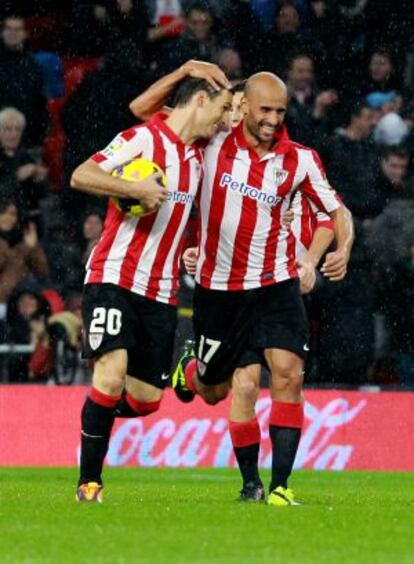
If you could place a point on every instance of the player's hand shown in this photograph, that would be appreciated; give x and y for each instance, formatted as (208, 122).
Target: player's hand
(150, 192)
(288, 217)
(208, 71)
(190, 257)
(335, 265)
(307, 275)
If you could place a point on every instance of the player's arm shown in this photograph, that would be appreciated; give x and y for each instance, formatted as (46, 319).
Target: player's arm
(155, 97)
(319, 191)
(321, 241)
(94, 175)
(323, 236)
(336, 262)
(90, 178)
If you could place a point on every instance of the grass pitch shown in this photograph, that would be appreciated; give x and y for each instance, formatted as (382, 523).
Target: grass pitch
(191, 516)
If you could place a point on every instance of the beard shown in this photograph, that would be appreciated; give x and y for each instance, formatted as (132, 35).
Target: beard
(254, 129)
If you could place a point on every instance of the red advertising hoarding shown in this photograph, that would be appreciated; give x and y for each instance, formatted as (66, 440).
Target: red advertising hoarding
(39, 426)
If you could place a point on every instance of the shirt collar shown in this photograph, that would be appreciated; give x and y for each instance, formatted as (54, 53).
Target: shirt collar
(158, 120)
(282, 140)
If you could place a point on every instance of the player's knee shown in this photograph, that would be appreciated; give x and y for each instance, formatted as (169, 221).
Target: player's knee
(288, 378)
(109, 374)
(246, 390)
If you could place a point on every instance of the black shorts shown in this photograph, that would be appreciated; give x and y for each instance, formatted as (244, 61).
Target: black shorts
(115, 318)
(232, 329)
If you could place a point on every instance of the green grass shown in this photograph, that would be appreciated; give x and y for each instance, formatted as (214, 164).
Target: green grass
(191, 516)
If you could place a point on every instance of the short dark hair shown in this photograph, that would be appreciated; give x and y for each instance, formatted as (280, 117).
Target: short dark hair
(395, 151)
(299, 55)
(355, 109)
(190, 86)
(285, 4)
(199, 7)
(384, 51)
(238, 87)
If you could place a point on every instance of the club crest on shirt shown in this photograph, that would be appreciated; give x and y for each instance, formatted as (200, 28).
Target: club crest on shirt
(279, 176)
(95, 339)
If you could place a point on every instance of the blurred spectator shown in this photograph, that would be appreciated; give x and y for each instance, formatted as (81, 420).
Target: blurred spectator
(25, 305)
(56, 340)
(21, 80)
(199, 41)
(391, 233)
(21, 255)
(22, 176)
(288, 39)
(308, 107)
(389, 184)
(91, 232)
(166, 19)
(352, 159)
(230, 62)
(382, 73)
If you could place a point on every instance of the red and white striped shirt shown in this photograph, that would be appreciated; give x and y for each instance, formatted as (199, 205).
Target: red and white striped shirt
(307, 219)
(243, 242)
(143, 254)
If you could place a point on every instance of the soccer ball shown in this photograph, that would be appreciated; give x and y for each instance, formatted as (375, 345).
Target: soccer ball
(134, 171)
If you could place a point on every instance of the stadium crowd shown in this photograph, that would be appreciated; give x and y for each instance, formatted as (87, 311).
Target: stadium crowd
(68, 72)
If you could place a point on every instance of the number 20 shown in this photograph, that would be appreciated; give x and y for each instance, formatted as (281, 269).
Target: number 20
(112, 318)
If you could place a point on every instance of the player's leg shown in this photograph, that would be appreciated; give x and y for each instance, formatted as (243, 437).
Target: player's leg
(138, 399)
(109, 334)
(286, 419)
(187, 384)
(149, 362)
(221, 324)
(245, 430)
(281, 330)
(97, 419)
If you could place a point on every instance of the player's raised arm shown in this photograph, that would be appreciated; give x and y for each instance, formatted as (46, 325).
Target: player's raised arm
(156, 96)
